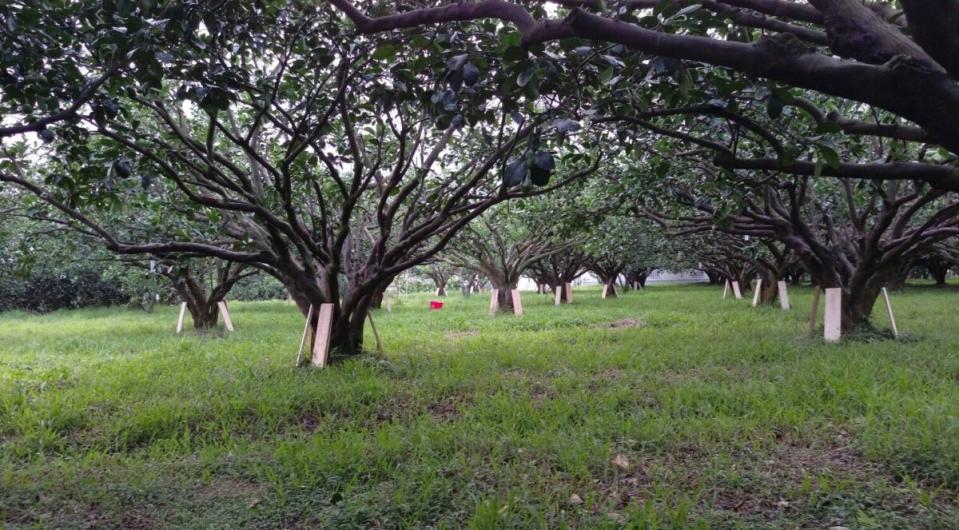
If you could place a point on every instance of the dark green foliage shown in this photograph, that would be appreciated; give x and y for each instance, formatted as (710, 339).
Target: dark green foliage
(50, 291)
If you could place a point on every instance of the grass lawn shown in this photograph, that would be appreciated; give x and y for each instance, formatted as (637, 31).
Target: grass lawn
(668, 408)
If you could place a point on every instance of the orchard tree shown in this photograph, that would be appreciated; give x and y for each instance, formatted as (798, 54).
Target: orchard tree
(852, 235)
(441, 273)
(501, 247)
(329, 162)
(620, 243)
(903, 62)
(202, 284)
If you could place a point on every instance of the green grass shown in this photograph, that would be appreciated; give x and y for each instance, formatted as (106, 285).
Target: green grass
(717, 414)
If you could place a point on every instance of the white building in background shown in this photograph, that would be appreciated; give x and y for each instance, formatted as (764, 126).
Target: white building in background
(690, 276)
(657, 276)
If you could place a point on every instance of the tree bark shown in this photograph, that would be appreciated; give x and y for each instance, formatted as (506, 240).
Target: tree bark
(504, 294)
(610, 288)
(203, 309)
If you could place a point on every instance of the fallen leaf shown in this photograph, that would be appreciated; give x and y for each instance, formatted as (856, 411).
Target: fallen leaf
(621, 462)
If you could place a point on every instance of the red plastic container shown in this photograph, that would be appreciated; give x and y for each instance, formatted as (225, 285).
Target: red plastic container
(435, 305)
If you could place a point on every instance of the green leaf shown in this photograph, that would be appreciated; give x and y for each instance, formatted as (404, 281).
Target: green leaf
(606, 75)
(828, 155)
(386, 51)
(774, 106)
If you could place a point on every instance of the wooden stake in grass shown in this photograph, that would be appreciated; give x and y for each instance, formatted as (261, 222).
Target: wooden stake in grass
(757, 290)
(179, 322)
(379, 345)
(569, 293)
(832, 327)
(225, 313)
(725, 289)
(321, 340)
(494, 303)
(783, 295)
(306, 332)
(517, 302)
(736, 292)
(559, 294)
(892, 318)
(814, 314)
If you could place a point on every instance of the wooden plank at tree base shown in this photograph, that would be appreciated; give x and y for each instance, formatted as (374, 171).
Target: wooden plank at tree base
(814, 314)
(736, 292)
(306, 331)
(321, 341)
(225, 313)
(726, 289)
(494, 303)
(559, 294)
(569, 293)
(758, 287)
(832, 327)
(892, 318)
(517, 302)
(179, 322)
(783, 295)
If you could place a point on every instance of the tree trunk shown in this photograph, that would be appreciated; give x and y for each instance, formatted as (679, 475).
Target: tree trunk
(204, 313)
(714, 277)
(346, 329)
(859, 296)
(440, 286)
(857, 307)
(505, 296)
(769, 291)
(376, 299)
(563, 298)
(611, 289)
(939, 272)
